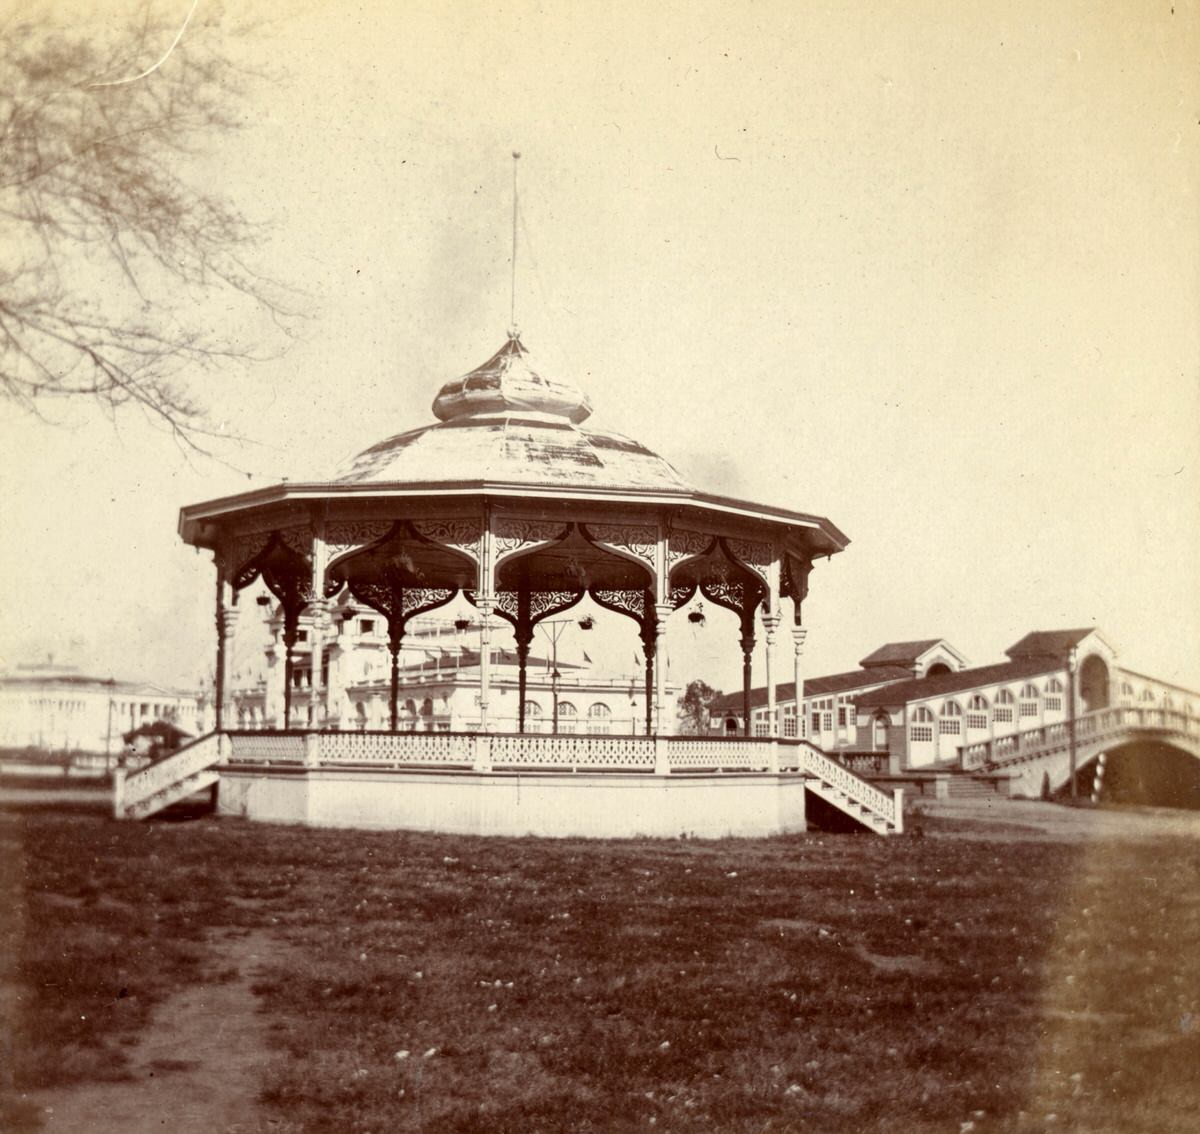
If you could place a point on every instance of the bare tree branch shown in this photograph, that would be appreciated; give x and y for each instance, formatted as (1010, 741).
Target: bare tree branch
(110, 248)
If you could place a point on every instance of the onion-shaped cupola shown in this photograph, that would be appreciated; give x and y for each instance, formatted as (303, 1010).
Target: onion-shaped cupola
(510, 382)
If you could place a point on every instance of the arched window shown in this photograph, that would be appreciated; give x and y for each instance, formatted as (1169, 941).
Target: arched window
(880, 735)
(950, 724)
(1004, 711)
(1054, 685)
(977, 712)
(533, 716)
(921, 728)
(1148, 695)
(599, 718)
(1029, 701)
(566, 716)
(1126, 690)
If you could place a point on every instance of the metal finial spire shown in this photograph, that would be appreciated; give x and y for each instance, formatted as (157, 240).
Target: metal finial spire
(513, 333)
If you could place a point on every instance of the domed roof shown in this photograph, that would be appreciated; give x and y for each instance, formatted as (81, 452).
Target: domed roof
(506, 422)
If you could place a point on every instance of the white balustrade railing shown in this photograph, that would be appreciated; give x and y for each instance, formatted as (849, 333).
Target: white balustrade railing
(693, 753)
(1099, 724)
(887, 807)
(139, 786)
(447, 749)
(266, 747)
(593, 752)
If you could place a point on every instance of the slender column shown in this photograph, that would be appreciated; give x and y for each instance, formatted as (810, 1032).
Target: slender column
(747, 642)
(319, 610)
(485, 661)
(522, 675)
(799, 633)
(226, 618)
(662, 612)
(648, 645)
(770, 625)
(485, 604)
(291, 632)
(524, 636)
(395, 637)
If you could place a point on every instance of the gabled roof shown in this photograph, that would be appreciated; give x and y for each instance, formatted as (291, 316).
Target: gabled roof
(919, 688)
(900, 653)
(1048, 643)
(813, 687)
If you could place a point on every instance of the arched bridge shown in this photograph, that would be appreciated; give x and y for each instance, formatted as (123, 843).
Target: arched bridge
(1035, 757)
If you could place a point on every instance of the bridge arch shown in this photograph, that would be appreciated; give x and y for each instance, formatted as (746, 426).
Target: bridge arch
(1094, 683)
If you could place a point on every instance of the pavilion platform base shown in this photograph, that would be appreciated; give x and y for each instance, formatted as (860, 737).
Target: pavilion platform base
(548, 804)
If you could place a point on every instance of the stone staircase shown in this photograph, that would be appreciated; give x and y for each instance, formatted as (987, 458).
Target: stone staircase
(184, 772)
(876, 810)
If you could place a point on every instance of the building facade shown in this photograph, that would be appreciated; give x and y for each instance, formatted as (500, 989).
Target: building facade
(60, 709)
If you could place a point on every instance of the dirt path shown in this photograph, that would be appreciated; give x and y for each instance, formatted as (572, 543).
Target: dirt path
(197, 1067)
(1054, 821)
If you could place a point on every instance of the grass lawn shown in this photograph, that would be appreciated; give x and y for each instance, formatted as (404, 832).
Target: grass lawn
(816, 982)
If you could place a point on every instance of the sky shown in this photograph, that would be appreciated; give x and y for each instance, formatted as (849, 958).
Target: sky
(932, 271)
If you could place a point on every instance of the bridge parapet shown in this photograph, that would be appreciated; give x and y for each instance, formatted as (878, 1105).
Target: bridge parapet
(1090, 729)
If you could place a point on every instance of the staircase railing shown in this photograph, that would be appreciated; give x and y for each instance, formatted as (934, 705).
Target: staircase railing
(131, 790)
(1100, 724)
(889, 809)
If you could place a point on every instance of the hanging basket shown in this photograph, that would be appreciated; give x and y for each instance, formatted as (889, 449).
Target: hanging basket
(461, 623)
(586, 622)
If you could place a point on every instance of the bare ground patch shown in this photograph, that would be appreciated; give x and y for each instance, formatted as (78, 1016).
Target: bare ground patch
(196, 1068)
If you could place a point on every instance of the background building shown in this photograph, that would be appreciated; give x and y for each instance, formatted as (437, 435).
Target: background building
(58, 708)
(438, 674)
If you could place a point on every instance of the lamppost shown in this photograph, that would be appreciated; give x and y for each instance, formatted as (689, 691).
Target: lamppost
(553, 629)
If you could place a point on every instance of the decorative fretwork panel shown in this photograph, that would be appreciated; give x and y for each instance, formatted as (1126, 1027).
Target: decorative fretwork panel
(794, 578)
(243, 549)
(716, 754)
(395, 749)
(684, 544)
(629, 602)
(511, 536)
(344, 536)
(754, 554)
(544, 604)
(266, 748)
(463, 535)
(573, 752)
(299, 539)
(638, 540)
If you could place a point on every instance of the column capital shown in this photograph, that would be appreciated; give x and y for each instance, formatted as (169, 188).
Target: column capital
(663, 611)
(799, 633)
(227, 621)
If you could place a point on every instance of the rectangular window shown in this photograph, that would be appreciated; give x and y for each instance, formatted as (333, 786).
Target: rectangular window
(841, 716)
(1003, 714)
(816, 722)
(367, 626)
(827, 722)
(1054, 704)
(920, 733)
(948, 727)
(760, 728)
(789, 726)
(302, 636)
(1029, 708)
(977, 720)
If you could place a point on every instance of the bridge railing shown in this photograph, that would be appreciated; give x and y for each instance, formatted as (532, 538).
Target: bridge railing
(1096, 725)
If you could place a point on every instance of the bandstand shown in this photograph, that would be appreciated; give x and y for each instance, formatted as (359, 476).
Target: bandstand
(512, 502)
